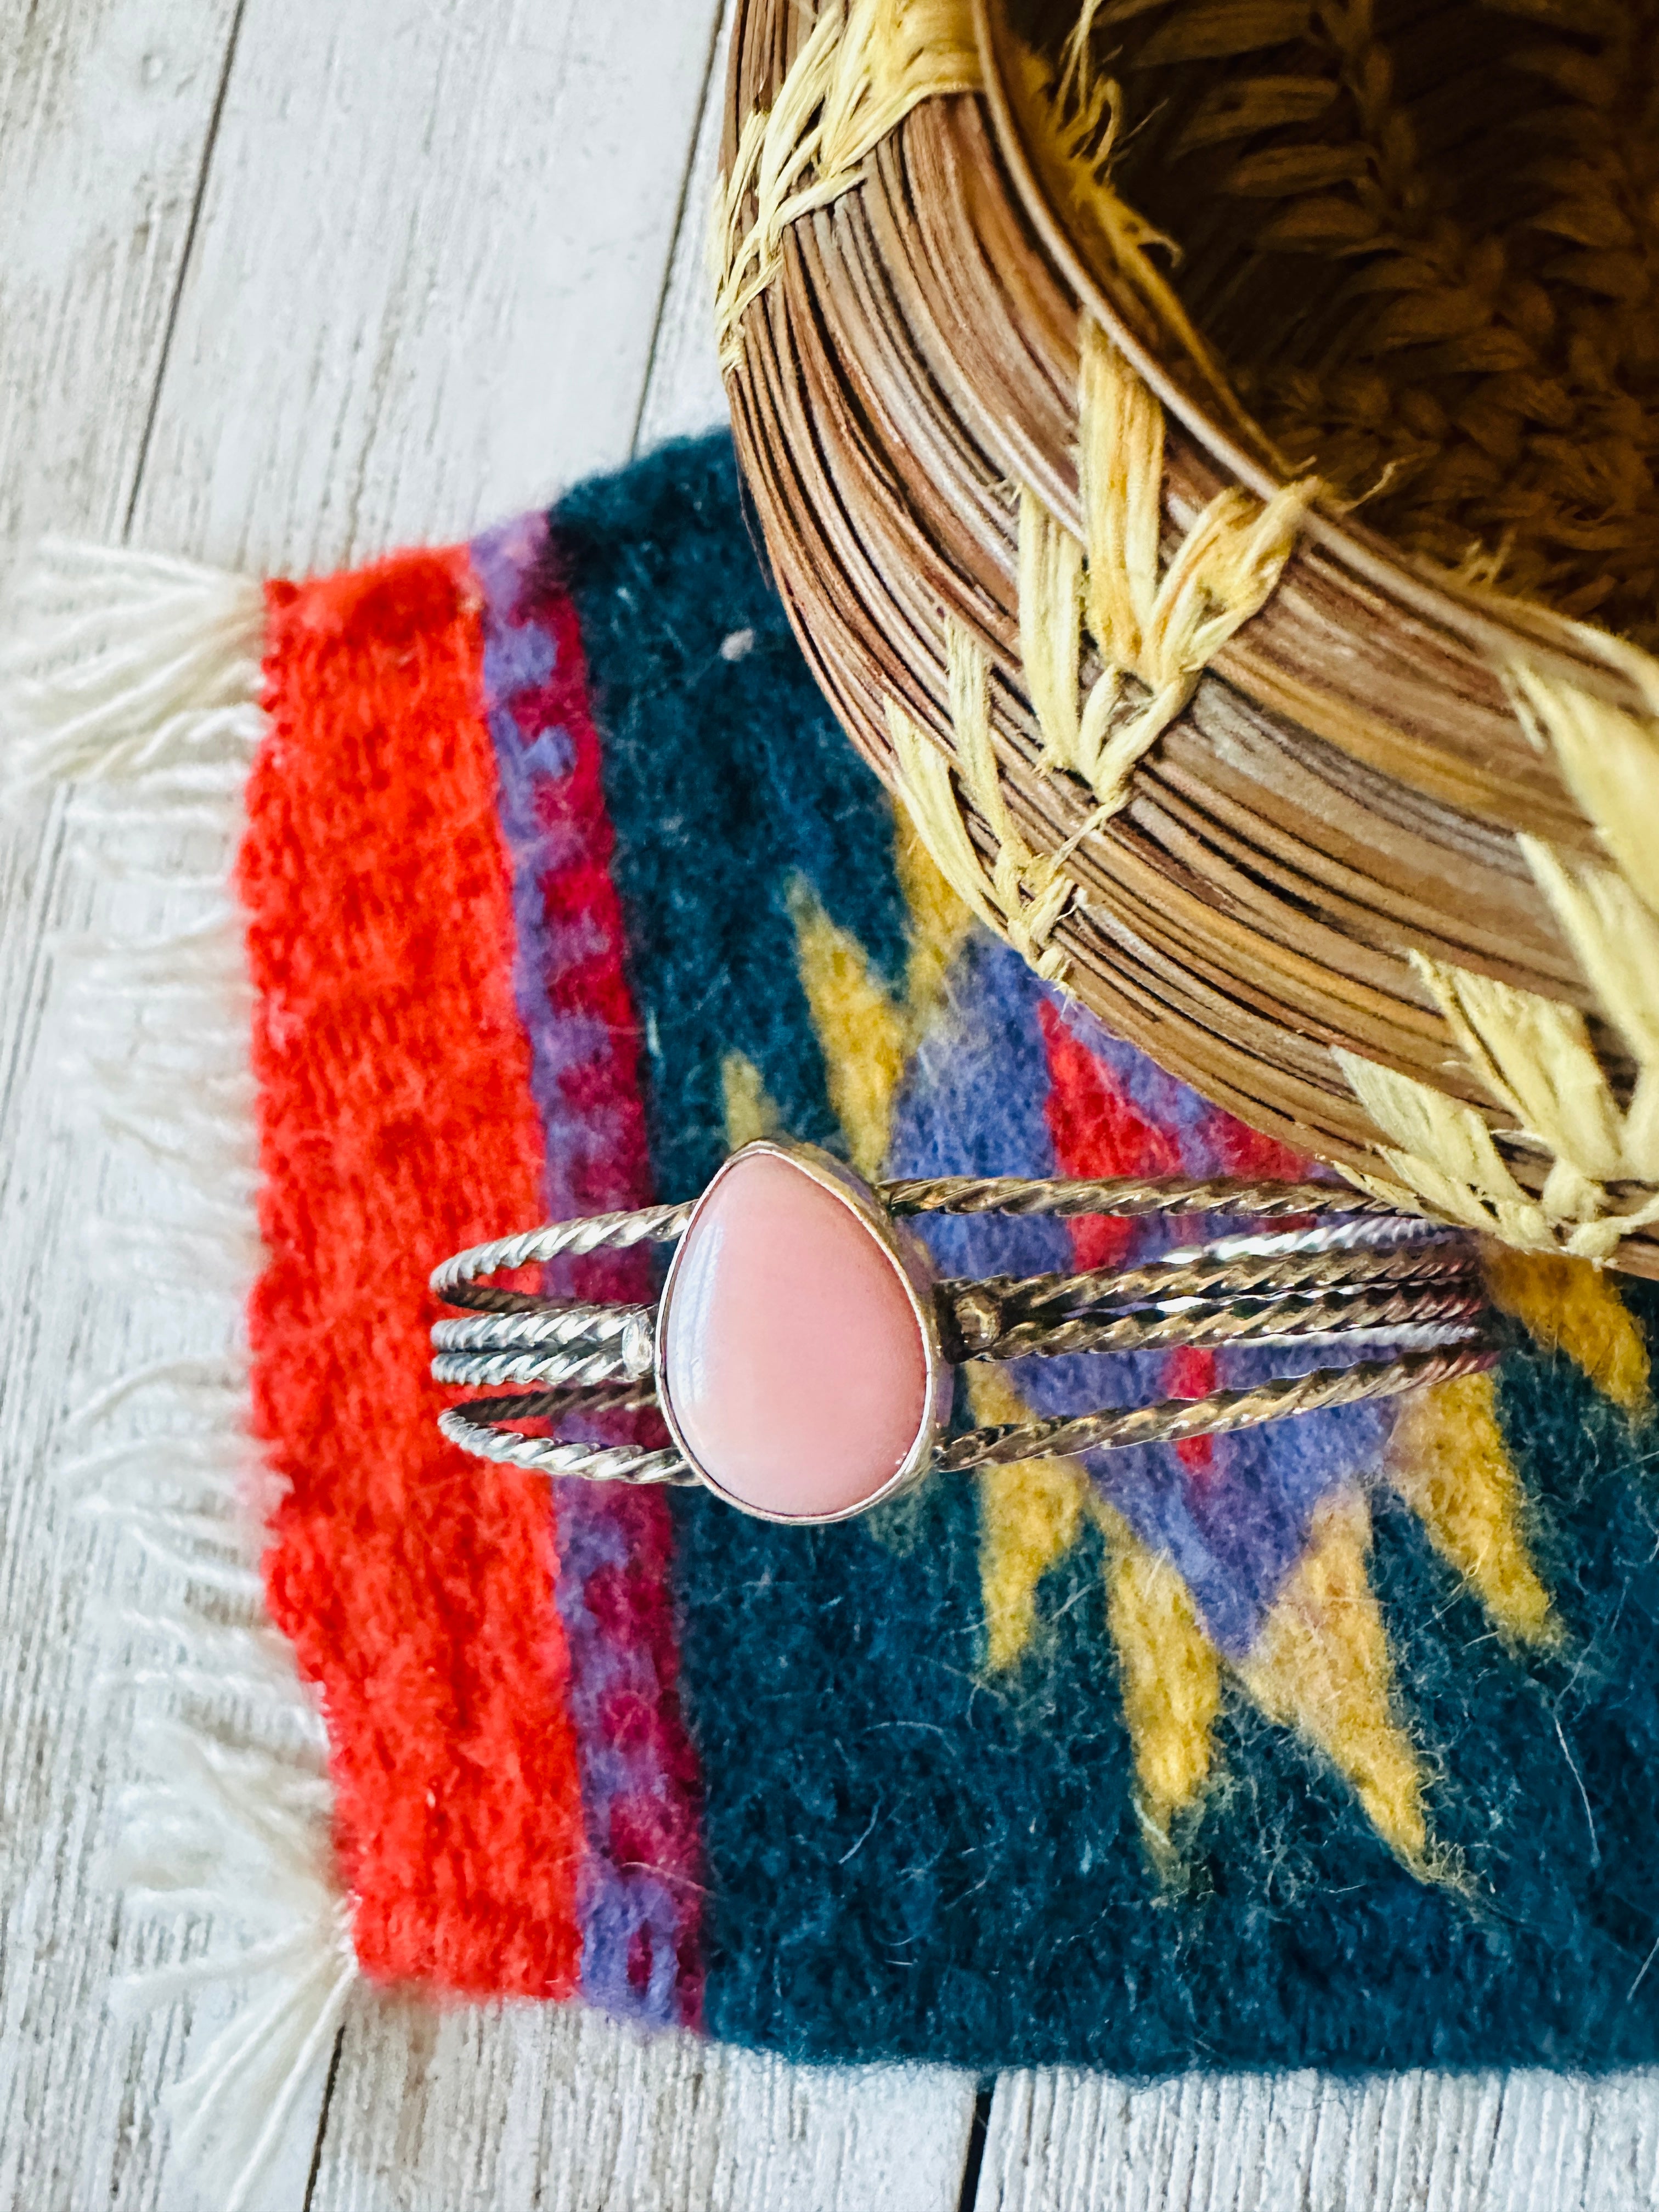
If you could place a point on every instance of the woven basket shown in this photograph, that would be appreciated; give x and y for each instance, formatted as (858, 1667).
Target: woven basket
(1193, 439)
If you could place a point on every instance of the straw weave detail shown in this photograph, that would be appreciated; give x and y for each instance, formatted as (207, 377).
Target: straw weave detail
(1156, 627)
(1534, 1056)
(1201, 162)
(1021, 895)
(861, 70)
(1477, 379)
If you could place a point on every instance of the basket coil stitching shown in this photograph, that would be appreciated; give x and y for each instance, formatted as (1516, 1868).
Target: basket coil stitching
(1022, 895)
(1513, 429)
(1155, 629)
(859, 74)
(861, 70)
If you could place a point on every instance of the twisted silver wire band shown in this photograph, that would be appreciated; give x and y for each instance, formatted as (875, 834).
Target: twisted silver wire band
(546, 1323)
(977, 1312)
(1171, 1419)
(1121, 1195)
(1363, 1271)
(631, 1463)
(658, 1224)
(999, 1316)
(1193, 1271)
(561, 1369)
(1114, 1429)
(1336, 1232)
(1242, 1321)
(457, 1279)
(590, 1401)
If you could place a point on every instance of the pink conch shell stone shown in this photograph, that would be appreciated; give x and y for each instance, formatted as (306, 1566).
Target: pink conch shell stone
(792, 1357)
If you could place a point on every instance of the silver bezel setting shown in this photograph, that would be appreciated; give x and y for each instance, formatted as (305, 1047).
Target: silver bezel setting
(914, 1271)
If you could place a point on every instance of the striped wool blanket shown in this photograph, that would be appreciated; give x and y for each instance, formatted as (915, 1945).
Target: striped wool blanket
(522, 879)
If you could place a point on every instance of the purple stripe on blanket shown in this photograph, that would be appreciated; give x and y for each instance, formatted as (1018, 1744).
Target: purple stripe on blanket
(640, 1893)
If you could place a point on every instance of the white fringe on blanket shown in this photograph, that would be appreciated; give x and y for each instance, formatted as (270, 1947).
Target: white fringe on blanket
(137, 680)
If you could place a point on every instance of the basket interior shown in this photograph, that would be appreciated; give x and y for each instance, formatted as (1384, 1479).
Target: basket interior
(1423, 236)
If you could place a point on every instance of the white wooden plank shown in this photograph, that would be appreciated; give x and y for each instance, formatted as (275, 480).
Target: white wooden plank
(79, 2087)
(560, 2109)
(684, 396)
(105, 112)
(1524, 2141)
(433, 247)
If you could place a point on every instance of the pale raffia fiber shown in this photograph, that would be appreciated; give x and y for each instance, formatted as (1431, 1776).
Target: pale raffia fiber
(1081, 122)
(1534, 1056)
(1021, 895)
(1615, 938)
(862, 69)
(1051, 630)
(859, 74)
(1157, 628)
(1609, 758)
(1443, 1156)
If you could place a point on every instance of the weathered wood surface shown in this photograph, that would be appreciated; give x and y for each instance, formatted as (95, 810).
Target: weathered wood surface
(1302, 2142)
(283, 283)
(433, 247)
(105, 107)
(569, 2113)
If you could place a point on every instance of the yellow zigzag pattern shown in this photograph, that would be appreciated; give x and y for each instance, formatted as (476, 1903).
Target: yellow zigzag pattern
(866, 1035)
(1448, 1461)
(750, 1111)
(867, 1038)
(1321, 1665)
(1571, 1305)
(1169, 1671)
(1030, 1516)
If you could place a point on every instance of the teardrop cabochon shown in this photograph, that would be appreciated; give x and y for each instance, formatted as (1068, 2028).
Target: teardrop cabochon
(798, 1356)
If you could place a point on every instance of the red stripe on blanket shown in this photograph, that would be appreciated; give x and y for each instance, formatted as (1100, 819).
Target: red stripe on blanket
(396, 1126)
(1098, 1131)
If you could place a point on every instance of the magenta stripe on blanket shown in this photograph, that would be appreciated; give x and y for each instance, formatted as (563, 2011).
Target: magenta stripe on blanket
(641, 1891)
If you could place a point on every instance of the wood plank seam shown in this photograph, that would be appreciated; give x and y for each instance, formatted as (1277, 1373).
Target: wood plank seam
(973, 2165)
(106, 103)
(686, 213)
(193, 225)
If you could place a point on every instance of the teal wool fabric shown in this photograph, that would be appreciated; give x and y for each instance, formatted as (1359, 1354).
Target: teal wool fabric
(911, 1854)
